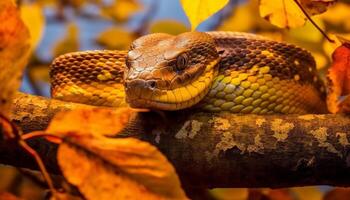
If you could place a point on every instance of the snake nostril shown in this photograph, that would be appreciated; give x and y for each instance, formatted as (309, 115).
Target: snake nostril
(151, 84)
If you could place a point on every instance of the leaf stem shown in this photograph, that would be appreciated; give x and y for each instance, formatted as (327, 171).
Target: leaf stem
(40, 163)
(313, 22)
(36, 134)
(12, 132)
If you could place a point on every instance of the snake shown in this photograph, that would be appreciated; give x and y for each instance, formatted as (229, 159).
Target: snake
(212, 71)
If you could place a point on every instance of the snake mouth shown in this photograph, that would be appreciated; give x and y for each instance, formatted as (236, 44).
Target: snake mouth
(159, 104)
(141, 94)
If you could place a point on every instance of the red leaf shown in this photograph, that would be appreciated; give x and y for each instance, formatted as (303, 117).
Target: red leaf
(339, 79)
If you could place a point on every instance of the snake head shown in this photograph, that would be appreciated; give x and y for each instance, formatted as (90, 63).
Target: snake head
(168, 72)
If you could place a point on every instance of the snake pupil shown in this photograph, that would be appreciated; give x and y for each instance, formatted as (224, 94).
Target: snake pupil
(181, 62)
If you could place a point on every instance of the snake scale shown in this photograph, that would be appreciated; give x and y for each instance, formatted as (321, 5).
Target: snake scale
(212, 71)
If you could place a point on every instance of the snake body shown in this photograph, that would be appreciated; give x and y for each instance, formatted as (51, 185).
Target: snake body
(213, 71)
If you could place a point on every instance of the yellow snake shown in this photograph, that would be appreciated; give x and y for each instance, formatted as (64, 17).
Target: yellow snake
(213, 71)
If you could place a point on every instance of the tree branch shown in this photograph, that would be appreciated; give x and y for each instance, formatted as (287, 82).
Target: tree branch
(221, 149)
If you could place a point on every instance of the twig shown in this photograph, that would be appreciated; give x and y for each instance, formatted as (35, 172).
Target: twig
(313, 22)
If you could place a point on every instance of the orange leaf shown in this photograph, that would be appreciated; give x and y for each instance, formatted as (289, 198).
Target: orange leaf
(287, 14)
(314, 7)
(118, 168)
(14, 52)
(339, 77)
(94, 121)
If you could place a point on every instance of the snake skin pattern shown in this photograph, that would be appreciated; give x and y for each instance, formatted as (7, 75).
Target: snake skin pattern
(262, 76)
(251, 75)
(89, 77)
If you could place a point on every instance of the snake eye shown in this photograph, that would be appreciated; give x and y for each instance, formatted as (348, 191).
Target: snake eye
(181, 61)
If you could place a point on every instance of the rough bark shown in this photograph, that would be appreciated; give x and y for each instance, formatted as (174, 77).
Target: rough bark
(222, 149)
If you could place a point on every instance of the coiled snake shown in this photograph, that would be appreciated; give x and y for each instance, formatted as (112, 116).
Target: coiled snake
(213, 71)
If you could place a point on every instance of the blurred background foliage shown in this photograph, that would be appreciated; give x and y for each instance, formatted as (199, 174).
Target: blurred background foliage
(62, 26)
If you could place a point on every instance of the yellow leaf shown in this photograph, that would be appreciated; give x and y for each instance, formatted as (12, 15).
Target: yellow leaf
(33, 17)
(199, 10)
(235, 22)
(69, 43)
(123, 168)
(14, 52)
(338, 15)
(282, 13)
(330, 47)
(121, 10)
(287, 14)
(307, 33)
(168, 26)
(96, 121)
(108, 38)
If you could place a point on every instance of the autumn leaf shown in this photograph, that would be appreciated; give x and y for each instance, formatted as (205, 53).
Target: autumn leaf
(69, 43)
(247, 10)
(313, 36)
(14, 52)
(339, 78)
(314, 7)
(125, 168)
(94, 121)
(33, 17)
(235, 22)
(283, 13)
(199, 10)
(111, 168)
(168, 26)
(337, 16)
(121, 10)
(330, 47)
(287, 14)
(108, 38)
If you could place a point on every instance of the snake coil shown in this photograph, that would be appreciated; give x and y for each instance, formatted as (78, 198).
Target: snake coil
(213, 71)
